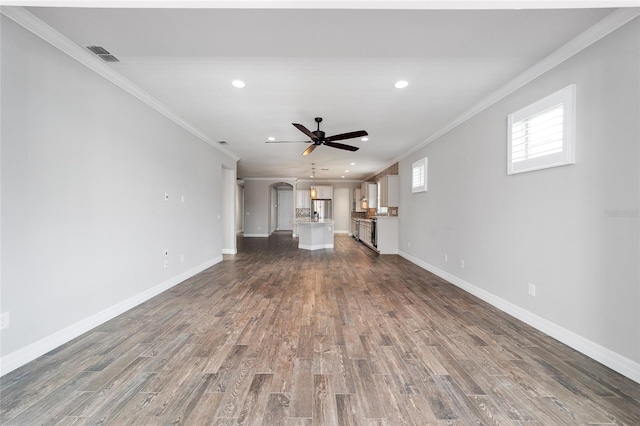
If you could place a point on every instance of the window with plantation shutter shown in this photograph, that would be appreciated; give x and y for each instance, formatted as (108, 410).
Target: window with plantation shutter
(419, 175)
(542, 134)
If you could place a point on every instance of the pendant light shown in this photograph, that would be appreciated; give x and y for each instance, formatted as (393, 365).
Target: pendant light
(313, 191)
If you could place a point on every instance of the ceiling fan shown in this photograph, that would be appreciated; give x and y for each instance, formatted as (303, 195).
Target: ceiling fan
(318, 138)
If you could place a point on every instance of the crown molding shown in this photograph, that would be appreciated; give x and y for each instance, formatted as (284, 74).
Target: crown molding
(275, 179)
(31, 23)
(329, 180)
(333, 4)
(601, 29)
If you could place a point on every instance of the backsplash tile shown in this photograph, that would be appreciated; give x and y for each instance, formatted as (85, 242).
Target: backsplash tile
(303, 214)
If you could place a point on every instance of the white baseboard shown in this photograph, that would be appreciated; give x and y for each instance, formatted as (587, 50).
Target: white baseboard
(613, 360)
(229, 251)
(30, 352)
(256, 235)
(315, 246)
(341, 232)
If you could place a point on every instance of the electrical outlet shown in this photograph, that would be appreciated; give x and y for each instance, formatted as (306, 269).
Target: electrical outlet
(4, 320)
(409, 244)
(532, 289)
(181, 258)
(166, 264)
(446, 258)
(182, 198)
(462, 264)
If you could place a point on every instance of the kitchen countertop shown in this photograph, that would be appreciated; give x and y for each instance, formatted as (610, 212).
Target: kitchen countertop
(375, 217)
(317, 222)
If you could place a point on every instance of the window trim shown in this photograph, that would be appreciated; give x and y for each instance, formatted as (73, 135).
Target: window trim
(566, 97)
(423, 163)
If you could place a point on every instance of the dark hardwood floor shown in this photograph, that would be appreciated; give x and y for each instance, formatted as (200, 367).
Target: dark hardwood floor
(276, 335)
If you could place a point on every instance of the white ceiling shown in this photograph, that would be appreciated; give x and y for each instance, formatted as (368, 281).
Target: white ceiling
(339, 64)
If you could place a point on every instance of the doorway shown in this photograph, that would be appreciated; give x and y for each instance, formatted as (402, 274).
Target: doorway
(285, 210)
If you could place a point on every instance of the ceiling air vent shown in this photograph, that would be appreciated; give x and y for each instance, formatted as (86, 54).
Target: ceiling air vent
(102, 53)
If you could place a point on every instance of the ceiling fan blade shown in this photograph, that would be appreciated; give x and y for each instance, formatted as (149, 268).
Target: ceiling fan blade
(341, 146)
(287, 141)
(356, 134)
(309, 150)
(305, 131)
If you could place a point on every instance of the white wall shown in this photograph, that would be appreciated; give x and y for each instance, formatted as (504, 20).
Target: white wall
(273, 209)
(84, 224)
(256, 208)
(547, 227)
(260, 205)
(342, 209)
(228, 206)
(239, 207)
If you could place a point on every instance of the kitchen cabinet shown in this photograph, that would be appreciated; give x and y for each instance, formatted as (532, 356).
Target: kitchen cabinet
(387, 235)
(325, 192)
(365, 232)
(389, 191)
(303, 200)
(369, 191)
(357, 199)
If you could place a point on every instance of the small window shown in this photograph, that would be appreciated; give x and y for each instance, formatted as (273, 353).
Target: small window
(419, 175)
(542, 134)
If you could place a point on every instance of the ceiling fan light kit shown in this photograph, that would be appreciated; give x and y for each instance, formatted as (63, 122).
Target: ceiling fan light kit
(318, 137)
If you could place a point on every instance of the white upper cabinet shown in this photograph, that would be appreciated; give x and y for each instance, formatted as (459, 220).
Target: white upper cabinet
(325, 192)
(303, 199)
(369, 192)
(389, 191)
(357, 199)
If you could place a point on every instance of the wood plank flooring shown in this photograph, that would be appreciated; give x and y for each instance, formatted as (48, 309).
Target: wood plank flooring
(280, 336)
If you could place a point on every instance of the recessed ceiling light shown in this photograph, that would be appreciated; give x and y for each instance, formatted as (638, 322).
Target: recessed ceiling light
(346, 171)
(342, 177)
(401, 84)
(271, 138)
(352, 164)
(238, 83)
(364, 139)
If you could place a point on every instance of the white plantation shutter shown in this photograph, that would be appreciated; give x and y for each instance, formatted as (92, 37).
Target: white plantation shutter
(419, 175)
(542, 134)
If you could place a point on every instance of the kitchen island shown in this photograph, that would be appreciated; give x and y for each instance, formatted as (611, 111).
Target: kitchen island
(315, 235)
